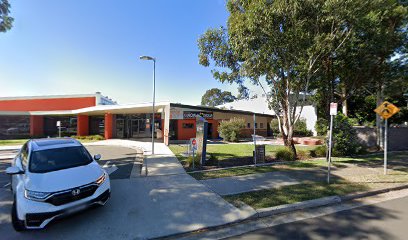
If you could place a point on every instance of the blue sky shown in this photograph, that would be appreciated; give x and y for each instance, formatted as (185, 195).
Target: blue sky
(84, 46)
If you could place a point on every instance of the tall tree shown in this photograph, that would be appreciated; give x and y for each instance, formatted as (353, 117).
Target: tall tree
(282, 42)
(369, 63)
(214, 97)
(6, 22)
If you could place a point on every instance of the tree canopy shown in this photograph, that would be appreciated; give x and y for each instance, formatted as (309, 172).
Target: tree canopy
(214, 97)
(286, 46)
(6, 22)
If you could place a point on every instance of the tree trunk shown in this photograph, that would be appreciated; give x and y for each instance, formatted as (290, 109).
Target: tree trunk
(287, 132)
(344, 102)
(378, 122)
(288, 142)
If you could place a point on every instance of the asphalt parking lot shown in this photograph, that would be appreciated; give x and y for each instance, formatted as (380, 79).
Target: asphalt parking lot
(124, 162)
(120, 161)
(167, 202)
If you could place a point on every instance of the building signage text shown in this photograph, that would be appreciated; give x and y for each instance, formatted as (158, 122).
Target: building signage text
(193, 115)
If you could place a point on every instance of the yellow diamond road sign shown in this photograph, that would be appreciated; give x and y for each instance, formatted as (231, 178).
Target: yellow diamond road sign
(386, 110)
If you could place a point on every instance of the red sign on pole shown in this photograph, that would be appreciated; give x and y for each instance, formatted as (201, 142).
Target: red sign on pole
(194, 144)
(333, 109)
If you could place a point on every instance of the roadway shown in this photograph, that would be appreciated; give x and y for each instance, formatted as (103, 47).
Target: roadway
(385, 220)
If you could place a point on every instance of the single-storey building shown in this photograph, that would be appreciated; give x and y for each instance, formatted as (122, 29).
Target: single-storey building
(95, 114)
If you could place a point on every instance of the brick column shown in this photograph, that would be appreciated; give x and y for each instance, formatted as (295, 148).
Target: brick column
(83, 125)
(108, 125)
(36, 126)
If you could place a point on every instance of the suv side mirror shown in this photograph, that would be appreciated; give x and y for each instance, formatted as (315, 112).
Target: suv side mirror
(14, 170)
(97, 157)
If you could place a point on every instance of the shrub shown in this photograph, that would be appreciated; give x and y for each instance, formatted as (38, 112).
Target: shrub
(90, 137)
(322, 126)
(300, 129)
(285, 155)
(319, 151)
(230, 130)
(344, 137)
(354, 121)
(189, 161)
(303, 154)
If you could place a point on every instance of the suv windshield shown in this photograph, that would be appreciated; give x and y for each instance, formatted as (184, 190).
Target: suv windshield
(59, 158)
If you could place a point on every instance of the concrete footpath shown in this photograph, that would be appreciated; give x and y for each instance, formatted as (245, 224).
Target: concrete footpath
(248, 183)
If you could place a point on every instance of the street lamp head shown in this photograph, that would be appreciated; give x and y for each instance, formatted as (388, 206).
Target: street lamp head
(147, 58)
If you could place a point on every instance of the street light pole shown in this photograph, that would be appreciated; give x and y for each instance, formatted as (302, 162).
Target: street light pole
(154, 98)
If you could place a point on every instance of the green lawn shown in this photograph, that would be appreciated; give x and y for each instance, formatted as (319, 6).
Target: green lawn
(12, 142)
(311, 189)
(228, 151)
(400, 158)
(294, 193)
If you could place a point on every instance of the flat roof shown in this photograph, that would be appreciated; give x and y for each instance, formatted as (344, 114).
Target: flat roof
(206, 108)
(131, 109)
(49, 96)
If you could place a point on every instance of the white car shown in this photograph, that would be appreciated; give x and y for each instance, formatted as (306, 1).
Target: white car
(52, 178)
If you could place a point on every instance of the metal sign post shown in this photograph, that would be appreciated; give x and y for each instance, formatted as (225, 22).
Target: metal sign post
(385, 145)
(254, 140)
(59, 128)
(386, 110)
(333, 112)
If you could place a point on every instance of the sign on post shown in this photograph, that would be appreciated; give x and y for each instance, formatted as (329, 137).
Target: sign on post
(193, 144)
(333, 109)
(333, 112)
(260, 153)
(59, 128)
(386, 110)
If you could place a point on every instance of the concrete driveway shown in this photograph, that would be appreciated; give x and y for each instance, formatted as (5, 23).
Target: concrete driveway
(140, 207)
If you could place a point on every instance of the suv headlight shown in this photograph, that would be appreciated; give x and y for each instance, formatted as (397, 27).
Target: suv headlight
(101, 179)
(36, 196)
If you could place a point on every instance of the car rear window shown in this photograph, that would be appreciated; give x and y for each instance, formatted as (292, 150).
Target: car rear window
(59, 158)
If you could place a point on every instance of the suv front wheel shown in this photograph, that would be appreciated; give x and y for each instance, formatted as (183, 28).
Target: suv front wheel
(18, 224)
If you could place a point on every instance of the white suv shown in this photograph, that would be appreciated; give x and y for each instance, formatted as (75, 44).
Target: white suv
(52, 178)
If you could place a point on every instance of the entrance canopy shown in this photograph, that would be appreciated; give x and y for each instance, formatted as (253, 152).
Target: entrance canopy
(111, 109)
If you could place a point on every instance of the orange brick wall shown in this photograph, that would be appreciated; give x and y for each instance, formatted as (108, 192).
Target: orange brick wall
(108, 126)
(48, 104)
(36, 126)
(187, 133)
(83, 125)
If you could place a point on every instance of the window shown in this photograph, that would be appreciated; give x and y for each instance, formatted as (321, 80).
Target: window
(261, 125)
(24, 155)
(59, 158)
(256, 125)
(188, 125)
(248, 125)
(14, 127)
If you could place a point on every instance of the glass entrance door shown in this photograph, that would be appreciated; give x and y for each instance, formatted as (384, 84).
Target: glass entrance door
(133, 126)
(120, 128)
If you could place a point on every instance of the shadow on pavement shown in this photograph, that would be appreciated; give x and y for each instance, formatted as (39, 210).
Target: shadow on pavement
(353, 224)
